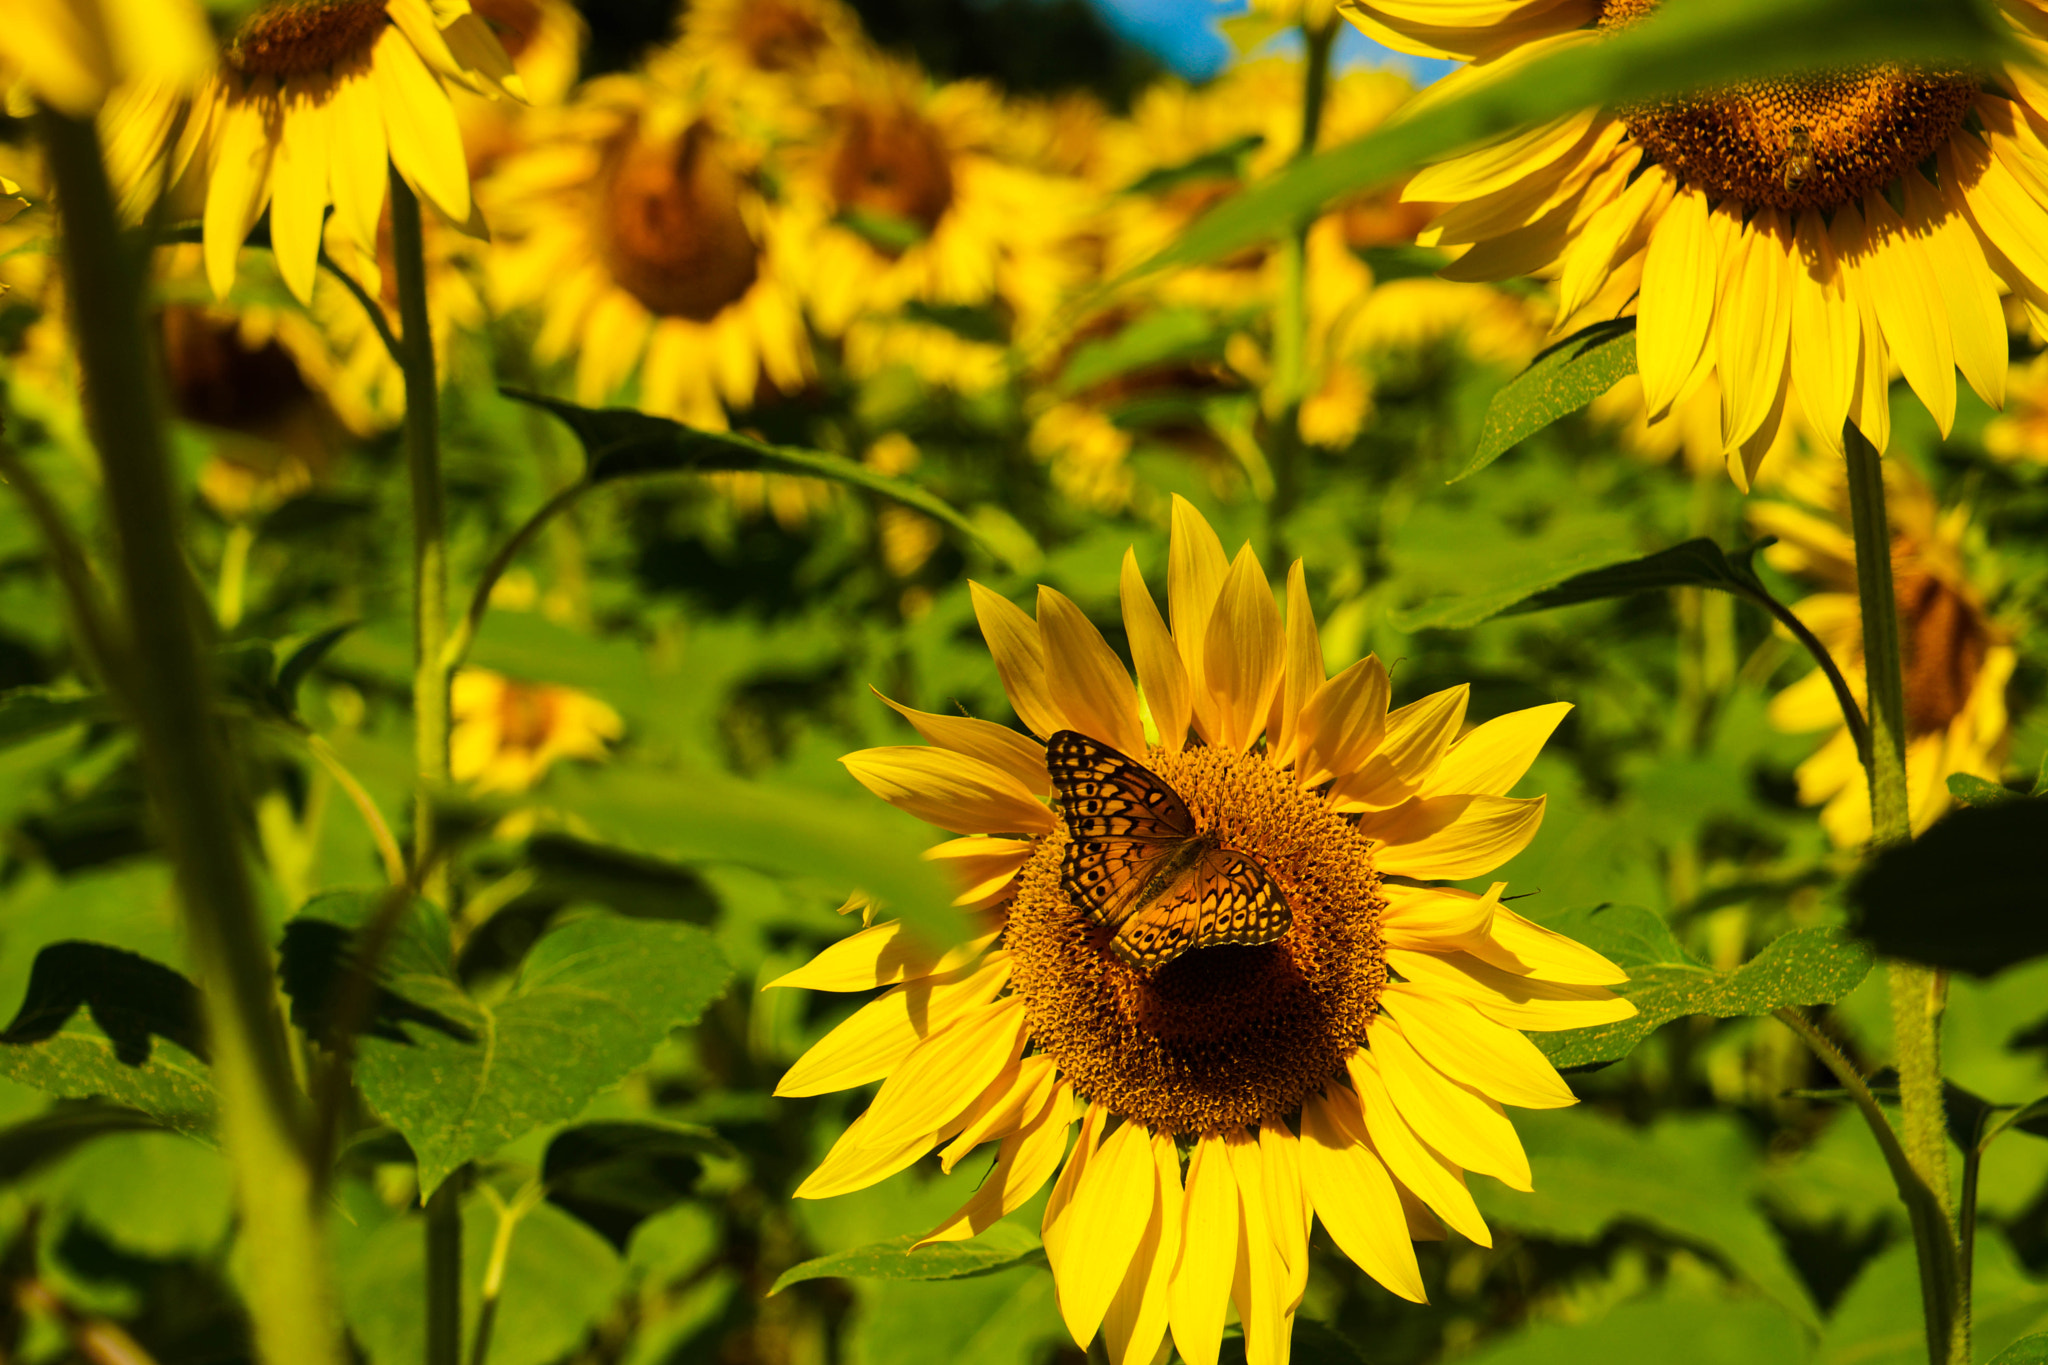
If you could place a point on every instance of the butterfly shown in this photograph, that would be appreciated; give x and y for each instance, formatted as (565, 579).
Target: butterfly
(1138, 863)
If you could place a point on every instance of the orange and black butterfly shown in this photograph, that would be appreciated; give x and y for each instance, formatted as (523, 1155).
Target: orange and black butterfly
(1138, 864)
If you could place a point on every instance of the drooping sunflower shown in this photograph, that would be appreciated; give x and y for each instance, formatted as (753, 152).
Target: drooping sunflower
(632, 228)
(309, 104)
(509, 733)
(1350, 1067)
(68, 54)
(1797, 235)
(1958, 659)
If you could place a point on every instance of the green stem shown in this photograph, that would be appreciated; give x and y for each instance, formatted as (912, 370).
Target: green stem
(457, 647)
(493, 1286)
(84, 597)
(378, 322)
(234, 574)
(197, 809)
(1289, 387)
(429, 535)
(444, 1271)
(1916, 991)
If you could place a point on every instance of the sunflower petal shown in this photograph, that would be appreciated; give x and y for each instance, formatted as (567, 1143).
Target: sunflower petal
(1517, 945)
(1343, 721)
(1909, 307)
(1195, 570)
(298, 185)
(1455, 1119)
(1087, 681)
(1471, 1049)
(1871, 405)
(1241, 660)
(240, 184)
(1115, 1199)
(1488, 832)
(1288, 1207)
(1059, 1206)
(983, 864)
(1014, 643)
(880, 955)
(1491, 758)
(1135, 1326)
(1208, 1253)
(358, 173)
(1678, 296)
(1162, 677)
(1018, 755)
(949, 790)
(1754, 324)
(1011, 1102)
(878, 1035)
(1259, 1280)
(944, 1073)
(1434, 1178)
(1355, 1198)
(1969, 291)
(1302, 671)
(419, 125)
(854, 1164)
(1824, 340)
(1025, 1161)
(1436, 917)
(1417, 737)
(1523, 1002)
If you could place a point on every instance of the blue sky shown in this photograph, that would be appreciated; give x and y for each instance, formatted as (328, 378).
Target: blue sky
(1183, 34)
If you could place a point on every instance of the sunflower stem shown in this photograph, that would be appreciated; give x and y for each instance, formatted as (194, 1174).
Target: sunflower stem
(1290, 319)
(444, 1271)
(1917, 992)
(197, 808)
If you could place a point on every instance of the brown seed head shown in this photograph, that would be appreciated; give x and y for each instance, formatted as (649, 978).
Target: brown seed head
(890, 160)
(305, 37)
(670, 226)
(1946, 639)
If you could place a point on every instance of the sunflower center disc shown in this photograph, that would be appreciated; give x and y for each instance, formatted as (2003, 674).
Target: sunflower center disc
(1220, 1036)
(891, 162)
(302, 37)
(778, 37)
(1946, 641)
(1805, 142)
(671, 228)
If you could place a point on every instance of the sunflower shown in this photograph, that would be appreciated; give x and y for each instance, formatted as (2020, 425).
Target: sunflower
(2021, 431)
(1958, 660)
(508, 733)
(764, 59)
(68, 54)
(1348, 1062)
(1793, 235)
(309, 100)
(648, 252)
(544, 39)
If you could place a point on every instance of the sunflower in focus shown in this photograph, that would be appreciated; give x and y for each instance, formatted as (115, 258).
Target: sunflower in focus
(632, 227)
(508, 733)
(1211, 938)
(1958, 660)
(68, 54)
(310, 101)
(1849, 221)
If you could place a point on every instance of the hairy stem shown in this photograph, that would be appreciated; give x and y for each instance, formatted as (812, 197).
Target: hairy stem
(199, 812)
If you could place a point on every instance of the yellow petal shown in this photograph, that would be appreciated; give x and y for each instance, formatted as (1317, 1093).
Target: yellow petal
(419, 126)
(943, 1074)
(1523, 1002)
(1016, 1097)
(981, 864)
(1488, 832)
(1059, 1207)
(1491, 1058)
(1106, 1220)
(1528, 949)
(869, 1044)
(240, 183)
(360, 171)
(1013, 643)
(1288, 1209)
(880, 955)
(1018, 755)
(1343, 721)
(1824, 337)
(1908, 301)
(1195, 570)
(1754, 324)
(854, 1164)
(1259, 1280)
(1162, 677)
(1434, 1178)
(1969, 291)
(299, 178)
(1501, 163)
(1208, 1254)
(1303, 670)
(1026, 1160)
(1087, 681)
(1612, 234)
(1241, 660)
(1491, 758)
(1436, 917)
(1677, 300)
(1355, 1198)
(1418, 735)
(1455, 1119)
(1870, 406)
(1135, 1326)
(949, 790)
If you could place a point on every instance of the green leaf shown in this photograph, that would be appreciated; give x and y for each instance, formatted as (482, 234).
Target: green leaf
(1223, 163)
(1671, 1330)
(614, 1174)
(620, 443)
(1803, 967)
(173, 1086)
(1001, 1247)
(1692, 564)
(1006, 1317)
(151, 1194)
(589, 1004)
(60, 1130)
(1965, 896)
(2028, 1350)
(1159, 338)
(1561, 380)
(1878, 1322)
(27, 712)
(1683, 46)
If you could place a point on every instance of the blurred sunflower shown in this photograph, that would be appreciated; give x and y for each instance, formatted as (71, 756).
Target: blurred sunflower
(2021, 431)
(544, 39)
(68, 54)
(1802, 206)
(648, 252)
(309, 100)
(508, 733)
(1958, 661)
(907, 199)
(762, 59)
(1348, 1062)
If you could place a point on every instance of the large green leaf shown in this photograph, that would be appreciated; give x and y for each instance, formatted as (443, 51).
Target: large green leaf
(620, 443)
(1001, 1247)
(1969, 895)
(2028, 1350)
(1877, 1322)
(1564, 378)
(461, 1077)
(1688, 43)
(1803, 967)
(1671, 1330)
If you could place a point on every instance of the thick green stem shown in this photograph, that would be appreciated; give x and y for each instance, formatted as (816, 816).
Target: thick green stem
(198, 811)
(1916, 992)
(444, 1271)
(429, 535)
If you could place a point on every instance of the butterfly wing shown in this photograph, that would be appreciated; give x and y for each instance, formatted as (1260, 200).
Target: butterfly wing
(1107, 796)
(1225, 897)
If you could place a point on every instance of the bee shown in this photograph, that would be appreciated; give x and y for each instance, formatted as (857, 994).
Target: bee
(1798, 156)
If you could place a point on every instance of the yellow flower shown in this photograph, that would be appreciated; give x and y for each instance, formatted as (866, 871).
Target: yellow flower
(2021, 431)
(310, 99)
(648, 253)
(1791, 236)
(1351, 1069)
(544, 39)
(69, 53)
(508, 734)
(762, 59)
(1957, 660)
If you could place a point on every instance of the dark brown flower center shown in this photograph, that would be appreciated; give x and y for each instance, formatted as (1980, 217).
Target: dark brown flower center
(1946, 639)
(302, 37)
(891, 161)
(527, 716)
(671, 227)
(1223, 1036)
(218, 379)
(778, 37)
(1803, 142)
(516, 22)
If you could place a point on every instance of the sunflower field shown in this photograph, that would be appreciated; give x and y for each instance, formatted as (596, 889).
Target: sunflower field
(861, 682)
